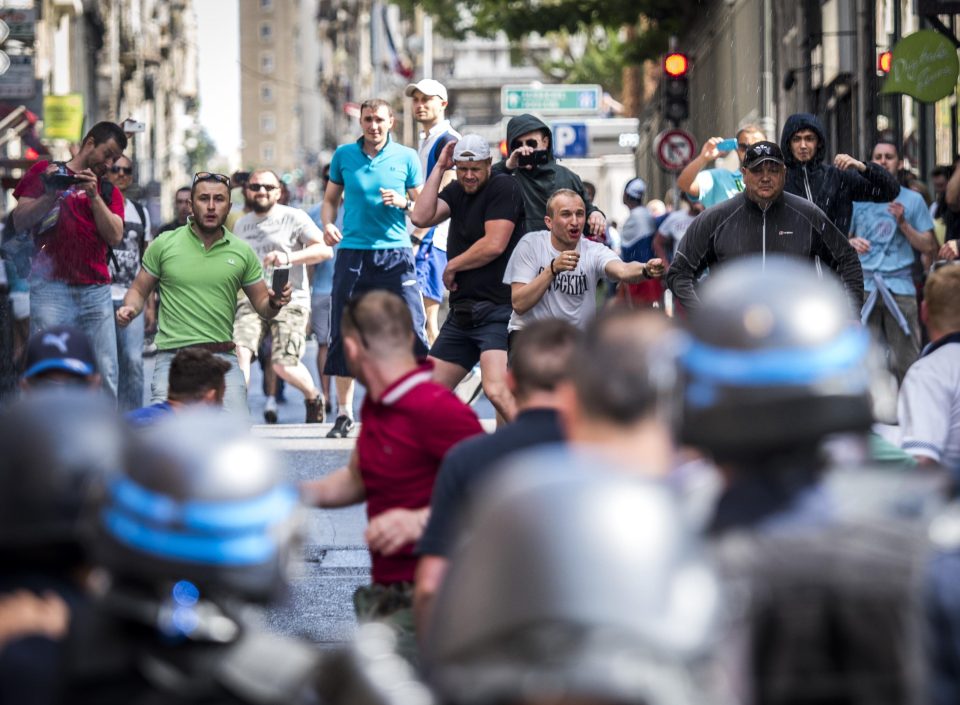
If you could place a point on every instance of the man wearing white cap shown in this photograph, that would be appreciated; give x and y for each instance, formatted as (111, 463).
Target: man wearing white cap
(429, 103)
(485, 213)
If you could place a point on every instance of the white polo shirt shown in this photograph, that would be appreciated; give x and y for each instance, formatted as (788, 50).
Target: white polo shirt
(428, 143)
(928, 408)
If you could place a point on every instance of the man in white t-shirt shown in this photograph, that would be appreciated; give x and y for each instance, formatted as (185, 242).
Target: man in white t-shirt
(553, 273)
(281, 236)
(929, 404)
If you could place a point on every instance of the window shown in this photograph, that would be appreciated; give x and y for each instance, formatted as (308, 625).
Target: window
(266, 5)
(266, 62)
(266, 93)
(268, 123)
(267, 153)
(266, 31)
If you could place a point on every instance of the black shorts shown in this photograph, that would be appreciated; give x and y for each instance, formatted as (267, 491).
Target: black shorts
(462, 344)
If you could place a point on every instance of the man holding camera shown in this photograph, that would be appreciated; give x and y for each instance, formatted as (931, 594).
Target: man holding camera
(532, 163)
(286, 240)
(75, 217)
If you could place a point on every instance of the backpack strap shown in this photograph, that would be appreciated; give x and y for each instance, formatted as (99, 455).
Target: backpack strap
(106, 193)
(142, 240)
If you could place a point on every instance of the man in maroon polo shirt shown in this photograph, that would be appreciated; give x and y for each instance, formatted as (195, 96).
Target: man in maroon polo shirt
(408, 423)
(74, 215)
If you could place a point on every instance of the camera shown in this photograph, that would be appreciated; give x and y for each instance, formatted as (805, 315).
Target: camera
(536, 158)
(131, 126)
(61, 178)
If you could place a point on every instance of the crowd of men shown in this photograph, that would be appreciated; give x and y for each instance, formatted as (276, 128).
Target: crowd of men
(694, 508)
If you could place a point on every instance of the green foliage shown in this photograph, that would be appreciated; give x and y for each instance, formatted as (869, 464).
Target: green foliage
(200, 149)
(606, 54)
(655, 20)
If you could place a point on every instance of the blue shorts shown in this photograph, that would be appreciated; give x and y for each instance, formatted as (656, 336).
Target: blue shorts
(430, 265)
(359, 271)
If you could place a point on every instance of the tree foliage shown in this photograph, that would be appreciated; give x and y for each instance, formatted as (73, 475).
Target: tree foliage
(654, 20)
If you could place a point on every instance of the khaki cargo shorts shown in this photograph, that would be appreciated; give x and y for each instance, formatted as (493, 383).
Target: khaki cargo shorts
(288, 329)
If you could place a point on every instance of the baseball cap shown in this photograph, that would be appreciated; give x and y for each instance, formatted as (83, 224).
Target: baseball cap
(62, 348)
(471, 148)
(635, 189)
(427, 86)
(759, 152)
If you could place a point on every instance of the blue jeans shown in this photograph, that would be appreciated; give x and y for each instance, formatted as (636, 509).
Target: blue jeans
(235, 398)
(130, 363)
(89, 307)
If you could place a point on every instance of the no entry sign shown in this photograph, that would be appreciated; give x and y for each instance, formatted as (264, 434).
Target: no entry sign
(675, 149)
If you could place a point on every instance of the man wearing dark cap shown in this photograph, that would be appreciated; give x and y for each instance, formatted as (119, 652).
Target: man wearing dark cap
(60, 355)
(766, 221)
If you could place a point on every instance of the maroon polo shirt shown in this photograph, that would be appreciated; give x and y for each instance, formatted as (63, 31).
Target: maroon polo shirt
(403, 437)
(73, 250)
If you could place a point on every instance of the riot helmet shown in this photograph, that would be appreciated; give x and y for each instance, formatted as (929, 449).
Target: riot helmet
(54, 444)
(201, 508)
(774, 361)
(573, 583)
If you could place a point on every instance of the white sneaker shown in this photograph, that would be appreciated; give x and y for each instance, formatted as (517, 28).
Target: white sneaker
(270, 410)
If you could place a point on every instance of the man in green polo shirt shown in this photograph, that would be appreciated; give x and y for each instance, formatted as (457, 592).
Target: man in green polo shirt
(200, 267)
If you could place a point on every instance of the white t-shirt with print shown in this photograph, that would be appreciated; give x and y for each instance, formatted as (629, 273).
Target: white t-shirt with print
(285, 229)
(572, 295)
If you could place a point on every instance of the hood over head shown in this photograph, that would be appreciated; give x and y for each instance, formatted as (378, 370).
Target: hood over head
(795, 123)
(522, 124)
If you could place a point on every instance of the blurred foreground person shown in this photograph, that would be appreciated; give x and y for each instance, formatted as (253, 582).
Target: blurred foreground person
(610, 604)
(53, 446)
(822, 572)
(199, 527)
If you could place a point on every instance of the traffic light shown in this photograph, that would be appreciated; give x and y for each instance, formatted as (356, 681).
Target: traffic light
(676, 88)
(884, 61)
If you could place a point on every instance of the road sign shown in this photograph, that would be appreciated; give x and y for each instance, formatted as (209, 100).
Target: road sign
(570, 139)
(21, 23)
(675, 149)
(18, 81)
(557, 99)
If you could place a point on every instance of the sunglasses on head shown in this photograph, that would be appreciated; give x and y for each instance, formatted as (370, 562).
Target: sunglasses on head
(128, 170)
(532, 143)
(941, 263)
(211, 176)
(264, 187)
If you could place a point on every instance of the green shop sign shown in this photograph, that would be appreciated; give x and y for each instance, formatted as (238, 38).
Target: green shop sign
(924, 66)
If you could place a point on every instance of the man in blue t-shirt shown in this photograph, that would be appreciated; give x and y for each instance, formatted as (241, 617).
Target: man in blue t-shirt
(713, 186)
(378, 180)
(885, 235)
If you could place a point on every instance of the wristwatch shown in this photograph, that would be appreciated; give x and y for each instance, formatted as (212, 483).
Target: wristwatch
(409, 206)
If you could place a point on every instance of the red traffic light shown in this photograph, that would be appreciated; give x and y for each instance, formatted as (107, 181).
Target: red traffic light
(676, 64)
(884, 61)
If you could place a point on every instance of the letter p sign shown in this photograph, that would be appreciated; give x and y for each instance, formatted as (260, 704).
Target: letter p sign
(570, 139)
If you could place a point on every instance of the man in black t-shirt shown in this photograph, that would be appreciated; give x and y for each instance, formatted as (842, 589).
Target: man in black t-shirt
(485, 213)
(539, 366)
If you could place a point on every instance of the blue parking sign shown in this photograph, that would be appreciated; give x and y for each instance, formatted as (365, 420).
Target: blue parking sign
(570, 139)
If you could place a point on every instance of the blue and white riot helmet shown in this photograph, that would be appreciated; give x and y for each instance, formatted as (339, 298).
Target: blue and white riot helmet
(775, 361)
(201, 506)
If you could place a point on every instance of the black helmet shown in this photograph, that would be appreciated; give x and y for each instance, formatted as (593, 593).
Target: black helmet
(573, 582)
(200, 503)
(53, 444)
(774, 361)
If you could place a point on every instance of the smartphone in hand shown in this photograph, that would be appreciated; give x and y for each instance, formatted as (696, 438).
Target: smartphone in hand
(727, 145)
(281, 275)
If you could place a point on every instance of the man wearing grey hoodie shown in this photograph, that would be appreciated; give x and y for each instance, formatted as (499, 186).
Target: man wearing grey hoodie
(831, 187)
(531, 162)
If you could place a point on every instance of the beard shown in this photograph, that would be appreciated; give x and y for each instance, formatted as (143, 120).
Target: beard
(259, 208)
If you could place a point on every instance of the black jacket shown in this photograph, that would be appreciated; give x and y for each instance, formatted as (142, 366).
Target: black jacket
(538, 184)
(789, 226)
(832, 190)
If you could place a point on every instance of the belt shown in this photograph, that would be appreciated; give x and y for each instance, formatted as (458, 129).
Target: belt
(229, 346)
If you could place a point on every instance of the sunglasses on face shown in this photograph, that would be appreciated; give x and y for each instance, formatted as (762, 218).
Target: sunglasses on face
(532, 143)
(262, 187)
(743, 146)
(211, 176)
(127, 170)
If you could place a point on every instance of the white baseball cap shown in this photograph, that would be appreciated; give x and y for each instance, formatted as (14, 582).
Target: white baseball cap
(428, 87)
(471, 148)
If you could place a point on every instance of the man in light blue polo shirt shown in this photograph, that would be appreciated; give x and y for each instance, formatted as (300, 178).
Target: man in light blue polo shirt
(713, 186)
(378, 180)
(885, 236)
